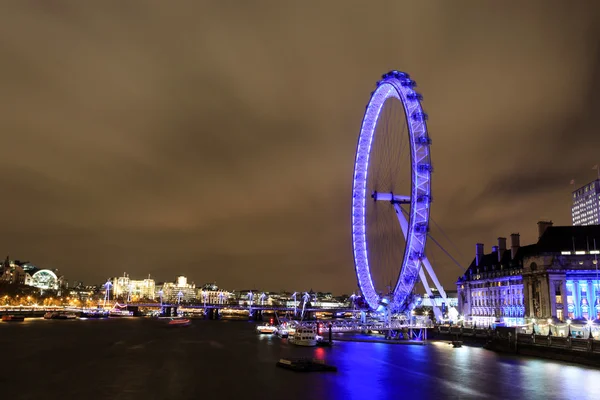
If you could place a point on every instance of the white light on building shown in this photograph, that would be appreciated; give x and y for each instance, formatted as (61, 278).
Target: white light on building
(125, 287)
(586, 204)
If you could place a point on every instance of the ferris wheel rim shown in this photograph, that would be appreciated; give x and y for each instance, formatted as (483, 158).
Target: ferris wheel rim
(397, 85)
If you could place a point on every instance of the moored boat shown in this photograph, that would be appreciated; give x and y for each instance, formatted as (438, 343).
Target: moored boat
(94, 314)
(282, 333)
(304, 336)
(305, 365)
(13, 318)
(60, 315)
(115, 313)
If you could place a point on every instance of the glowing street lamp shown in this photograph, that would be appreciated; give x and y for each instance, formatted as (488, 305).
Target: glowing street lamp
(295, 302)
(305, 299)
(250, 297)
(107, 287)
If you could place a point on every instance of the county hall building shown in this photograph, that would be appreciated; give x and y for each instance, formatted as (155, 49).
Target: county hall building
(557, 277)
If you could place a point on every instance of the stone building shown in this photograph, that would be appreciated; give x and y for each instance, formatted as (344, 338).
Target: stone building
(491, 290)
(561, 276)
(557, 277)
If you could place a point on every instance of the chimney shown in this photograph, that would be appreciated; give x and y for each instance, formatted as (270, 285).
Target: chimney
(478, 253)
(515, 240)
(501, 247)
(542, 226)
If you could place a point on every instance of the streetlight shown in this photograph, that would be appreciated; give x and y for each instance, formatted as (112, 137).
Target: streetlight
(549, 326)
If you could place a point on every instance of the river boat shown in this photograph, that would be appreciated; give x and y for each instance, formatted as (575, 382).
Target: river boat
(116, 313)
(13, 318)
(60, 315)
(282, 332)
(94, 314)
(304, 336)
(266, 329)
(180, 322)
(305, 365)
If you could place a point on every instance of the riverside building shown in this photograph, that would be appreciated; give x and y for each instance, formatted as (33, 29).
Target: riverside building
(134, 289)
(557, 278)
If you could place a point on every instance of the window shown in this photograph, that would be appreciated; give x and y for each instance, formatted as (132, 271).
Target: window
(533, 266)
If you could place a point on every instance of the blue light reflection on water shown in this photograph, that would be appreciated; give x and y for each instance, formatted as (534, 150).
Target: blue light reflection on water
(149, 360)
(373, 370)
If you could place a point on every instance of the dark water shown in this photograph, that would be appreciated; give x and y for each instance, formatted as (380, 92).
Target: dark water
(144, 359)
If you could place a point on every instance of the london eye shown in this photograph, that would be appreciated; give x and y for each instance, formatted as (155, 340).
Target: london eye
(391, 195)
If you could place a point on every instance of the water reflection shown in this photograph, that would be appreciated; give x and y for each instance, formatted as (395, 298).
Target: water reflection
(231, 359)
(440, 371)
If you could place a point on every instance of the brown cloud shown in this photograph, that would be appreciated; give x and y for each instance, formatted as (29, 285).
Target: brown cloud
(217, 140)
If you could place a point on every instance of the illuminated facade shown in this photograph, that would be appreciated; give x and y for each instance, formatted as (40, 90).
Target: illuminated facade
(561, 277)
(172, 292)
(491, 290)
(44, 279)
(13, 273)
(211, 294)
(24, 273)
(586, 204)
(133, 289)
(557, 277)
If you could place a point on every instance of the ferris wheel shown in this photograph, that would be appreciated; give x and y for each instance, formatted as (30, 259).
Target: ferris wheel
(391, 196)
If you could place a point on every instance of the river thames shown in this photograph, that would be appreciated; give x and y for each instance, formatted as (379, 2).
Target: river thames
(145, 359)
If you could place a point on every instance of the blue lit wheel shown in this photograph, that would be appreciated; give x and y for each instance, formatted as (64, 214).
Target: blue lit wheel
(387, 205)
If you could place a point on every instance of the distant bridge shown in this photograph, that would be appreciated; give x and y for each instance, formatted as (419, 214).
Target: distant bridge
(8, 309)
(253, 307)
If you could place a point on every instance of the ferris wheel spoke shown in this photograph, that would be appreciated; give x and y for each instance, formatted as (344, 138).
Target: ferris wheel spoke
(391, 197)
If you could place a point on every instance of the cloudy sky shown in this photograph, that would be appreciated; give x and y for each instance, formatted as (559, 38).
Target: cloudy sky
(216, 139)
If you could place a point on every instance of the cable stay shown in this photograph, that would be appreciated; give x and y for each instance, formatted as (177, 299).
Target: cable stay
(446, 252)
(439, 245)
(446, 236)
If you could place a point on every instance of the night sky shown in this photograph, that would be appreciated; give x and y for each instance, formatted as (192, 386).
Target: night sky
(217, 140)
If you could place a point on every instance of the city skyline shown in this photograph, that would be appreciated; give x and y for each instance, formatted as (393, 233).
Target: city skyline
(208, 144)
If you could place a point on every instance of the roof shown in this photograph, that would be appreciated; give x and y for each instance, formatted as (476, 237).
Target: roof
(581, 190)
(569, 238)
(525, 251)
(554, 240)
(489, 262)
